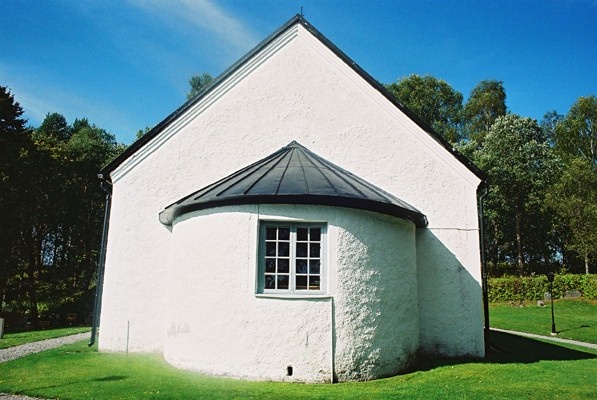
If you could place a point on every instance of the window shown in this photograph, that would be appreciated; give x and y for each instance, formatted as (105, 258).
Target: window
(291, 258)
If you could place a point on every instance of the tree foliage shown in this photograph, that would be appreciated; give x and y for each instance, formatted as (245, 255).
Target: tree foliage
(50, 256)
(434, 101)
(15, 148)
(485, 104)
(576, 135)
(198, 83)
(521, 166)
(574, 201)
(573, 198)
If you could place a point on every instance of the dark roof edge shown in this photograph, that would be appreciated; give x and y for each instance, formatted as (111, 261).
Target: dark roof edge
(168, 216)
(339, 53)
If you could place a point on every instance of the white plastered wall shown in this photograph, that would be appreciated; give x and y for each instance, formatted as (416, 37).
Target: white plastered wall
(296, 89)
(365, 325)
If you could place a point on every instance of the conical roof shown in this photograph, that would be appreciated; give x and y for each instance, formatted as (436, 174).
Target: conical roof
(294, 175)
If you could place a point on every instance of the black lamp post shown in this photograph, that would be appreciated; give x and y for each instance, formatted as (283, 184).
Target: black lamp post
(550, 277)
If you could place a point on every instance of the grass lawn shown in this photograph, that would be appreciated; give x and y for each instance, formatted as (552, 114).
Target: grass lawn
(575, 318)
(15, 339)
(525, 369)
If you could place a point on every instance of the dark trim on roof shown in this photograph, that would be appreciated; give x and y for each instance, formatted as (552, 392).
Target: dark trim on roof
(297, 19)
(294, 175)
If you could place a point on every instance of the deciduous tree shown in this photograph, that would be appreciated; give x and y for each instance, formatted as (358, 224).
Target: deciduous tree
(434, 101)
(574, 200)
(521, 166)
(576, 135)
(198, 83)
(485, 104)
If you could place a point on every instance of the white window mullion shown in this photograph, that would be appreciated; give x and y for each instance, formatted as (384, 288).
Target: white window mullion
(292, 258)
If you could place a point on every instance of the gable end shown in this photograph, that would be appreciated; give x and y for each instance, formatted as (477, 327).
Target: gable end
(298, 19)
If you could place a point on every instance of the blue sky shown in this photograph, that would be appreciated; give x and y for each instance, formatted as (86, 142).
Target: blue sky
(125, 64)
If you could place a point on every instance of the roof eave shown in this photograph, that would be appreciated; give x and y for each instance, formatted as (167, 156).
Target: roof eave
(169, 215)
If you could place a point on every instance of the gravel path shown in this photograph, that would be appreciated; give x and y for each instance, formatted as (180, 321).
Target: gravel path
(23, 350)
(4, 396)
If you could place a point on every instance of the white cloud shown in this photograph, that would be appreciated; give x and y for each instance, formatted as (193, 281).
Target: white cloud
(207, 16)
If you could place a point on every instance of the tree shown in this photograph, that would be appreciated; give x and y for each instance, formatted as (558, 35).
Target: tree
(432, 100)
(485, 104)
(142, 132)
(55, 126)
(576, 135)
(574, 200)
(521, 165)
(549, 124)
(198, 83)
(15, 146)
(54, 213)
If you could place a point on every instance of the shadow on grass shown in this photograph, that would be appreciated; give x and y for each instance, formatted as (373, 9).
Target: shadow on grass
(507, 348)
(111, 378)
(574, 329)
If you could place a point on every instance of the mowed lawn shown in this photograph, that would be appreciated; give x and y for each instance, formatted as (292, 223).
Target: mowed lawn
(517, 368)
(575, 319)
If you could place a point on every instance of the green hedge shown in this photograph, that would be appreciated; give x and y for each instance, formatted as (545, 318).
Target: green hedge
(535, 287)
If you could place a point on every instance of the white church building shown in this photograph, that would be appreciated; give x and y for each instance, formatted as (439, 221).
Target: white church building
(293, 222)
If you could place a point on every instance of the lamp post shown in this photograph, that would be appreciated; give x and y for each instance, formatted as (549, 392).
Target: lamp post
(550, 277)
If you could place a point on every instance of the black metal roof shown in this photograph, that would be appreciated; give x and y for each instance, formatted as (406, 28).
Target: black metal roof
(294, 175)
(297, 19)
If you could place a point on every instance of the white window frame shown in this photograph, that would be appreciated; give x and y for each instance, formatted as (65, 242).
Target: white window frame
(261, 257)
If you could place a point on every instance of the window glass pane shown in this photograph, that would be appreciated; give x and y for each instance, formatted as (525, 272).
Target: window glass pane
(283, 281)
(283, 265)
(314, 267)
(301, 266)
(302, 234)
(301, 249)
(314, 250)
(270, 265)
(283, 249)
(270, 233)
(283, 233)
(270, 249)
(301, 282)
(291, 253)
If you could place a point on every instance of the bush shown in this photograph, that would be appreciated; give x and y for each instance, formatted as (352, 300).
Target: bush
(535, 287)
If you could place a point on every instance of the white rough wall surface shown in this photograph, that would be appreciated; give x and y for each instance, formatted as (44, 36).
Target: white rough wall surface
(377, 318)
(217, 325)
(299, 92)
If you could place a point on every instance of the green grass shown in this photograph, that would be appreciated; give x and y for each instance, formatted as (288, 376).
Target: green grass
(17, 338)
(520, 368)
(525, 369)
(575, 318)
